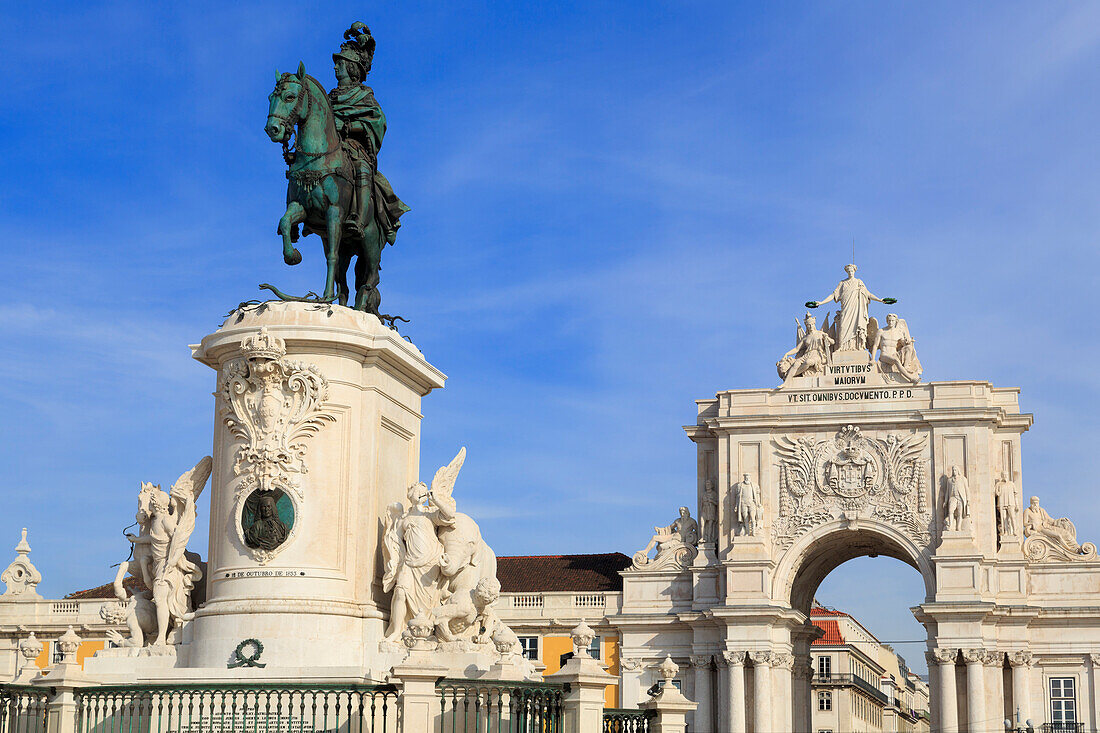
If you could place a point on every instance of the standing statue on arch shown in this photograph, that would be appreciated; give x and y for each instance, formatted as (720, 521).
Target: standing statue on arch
(850, 324)
(334, 186)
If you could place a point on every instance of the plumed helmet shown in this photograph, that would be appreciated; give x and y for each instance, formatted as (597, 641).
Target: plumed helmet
(358, 47)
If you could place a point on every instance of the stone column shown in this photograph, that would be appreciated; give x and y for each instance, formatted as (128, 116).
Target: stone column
(975, 690)
(948, 703)
(703, 692)
(1095, 660)
(801, 676)
(995, 661)
(762, 692)
(1021, 662)
(781, 679)
(735, 692)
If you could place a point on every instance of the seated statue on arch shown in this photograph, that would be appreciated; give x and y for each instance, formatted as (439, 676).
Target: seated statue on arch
(675, 543)
(810, 354)
(1045, 534)
(897, 355)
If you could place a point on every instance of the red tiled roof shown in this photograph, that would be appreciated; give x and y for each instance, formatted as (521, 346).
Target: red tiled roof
(583, 573)
(823, 611)
(831, 629)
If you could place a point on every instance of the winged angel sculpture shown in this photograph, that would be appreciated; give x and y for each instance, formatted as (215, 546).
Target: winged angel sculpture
(160, 561)
(438, 566)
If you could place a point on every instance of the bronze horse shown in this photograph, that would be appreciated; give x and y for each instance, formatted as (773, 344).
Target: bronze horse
(320, 192)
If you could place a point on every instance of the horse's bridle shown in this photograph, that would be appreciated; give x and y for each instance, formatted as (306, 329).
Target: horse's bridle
(291, 120)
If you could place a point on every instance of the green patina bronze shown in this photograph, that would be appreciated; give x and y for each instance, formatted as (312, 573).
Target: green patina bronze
(335, 189)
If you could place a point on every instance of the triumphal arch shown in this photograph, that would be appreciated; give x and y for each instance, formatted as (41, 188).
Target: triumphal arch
(854, 455)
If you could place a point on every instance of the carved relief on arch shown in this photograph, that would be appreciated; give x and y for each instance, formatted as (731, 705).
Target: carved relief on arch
(852, 475)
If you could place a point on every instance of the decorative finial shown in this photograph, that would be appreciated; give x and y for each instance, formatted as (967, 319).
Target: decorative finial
(667, 669)
(583, 635)
(68, 644)
(23, 548)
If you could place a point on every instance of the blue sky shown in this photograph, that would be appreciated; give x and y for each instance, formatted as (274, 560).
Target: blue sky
(617, 208)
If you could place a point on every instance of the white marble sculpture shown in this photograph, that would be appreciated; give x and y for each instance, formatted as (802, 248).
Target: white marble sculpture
(1047, 536)
(165, 523)
(747, 505)
(850, 324)
(1008, 506)
(897, 354)
(675, 544)
(21, 577)
(810, 354)
(956, 502)
(439, 569)
(709, 513)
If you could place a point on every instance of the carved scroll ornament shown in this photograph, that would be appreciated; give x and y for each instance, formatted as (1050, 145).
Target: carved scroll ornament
(272, 405)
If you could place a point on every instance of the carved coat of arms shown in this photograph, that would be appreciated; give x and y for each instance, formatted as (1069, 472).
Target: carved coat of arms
(271, 405)
(851, 473)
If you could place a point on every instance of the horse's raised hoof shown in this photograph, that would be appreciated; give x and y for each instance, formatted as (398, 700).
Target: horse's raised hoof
(293, 258)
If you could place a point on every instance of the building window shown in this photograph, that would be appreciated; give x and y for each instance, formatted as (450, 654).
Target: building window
(824, 666)
(530, 646)
(594, 648)
(824, 700)
(58, 657)
(1063, 702)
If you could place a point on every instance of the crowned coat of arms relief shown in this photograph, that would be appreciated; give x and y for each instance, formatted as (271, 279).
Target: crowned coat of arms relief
(852, 475)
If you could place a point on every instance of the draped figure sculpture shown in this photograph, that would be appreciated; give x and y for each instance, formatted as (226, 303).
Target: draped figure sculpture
(1047, 536)
(437, 565)
(956, 501)
(850, 324)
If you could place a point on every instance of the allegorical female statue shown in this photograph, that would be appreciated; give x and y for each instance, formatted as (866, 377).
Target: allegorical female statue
(853, 297)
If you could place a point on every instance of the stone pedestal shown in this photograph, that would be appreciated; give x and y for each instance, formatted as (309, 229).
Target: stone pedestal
(583, 704)
(327, 412)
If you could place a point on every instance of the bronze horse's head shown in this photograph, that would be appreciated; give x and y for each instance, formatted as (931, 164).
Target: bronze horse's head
(285, 105)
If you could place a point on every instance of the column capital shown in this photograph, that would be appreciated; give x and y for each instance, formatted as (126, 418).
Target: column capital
(1094, 658)
(994, 658)
(732, 659)
(701, 661)
(974, 656)
(781, 660)
(630, 664)
(944, 655)
(761, 658)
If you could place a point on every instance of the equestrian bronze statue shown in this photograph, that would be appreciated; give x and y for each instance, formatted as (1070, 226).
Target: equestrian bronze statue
(334, 188)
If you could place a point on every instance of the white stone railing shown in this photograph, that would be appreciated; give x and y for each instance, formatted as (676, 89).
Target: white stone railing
(527, 600)
(589, 600)
(65, 607)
